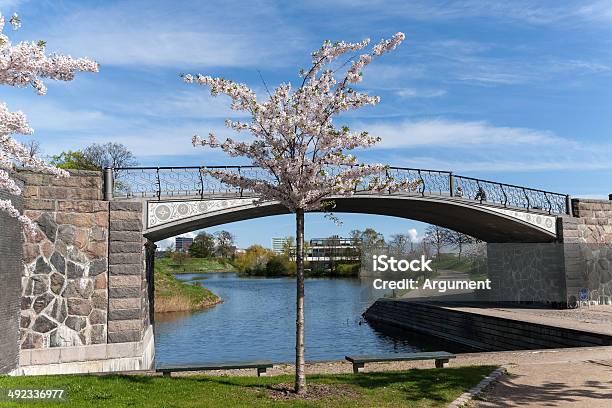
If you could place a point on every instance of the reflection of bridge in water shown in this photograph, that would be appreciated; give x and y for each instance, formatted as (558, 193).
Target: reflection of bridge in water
(182, 199)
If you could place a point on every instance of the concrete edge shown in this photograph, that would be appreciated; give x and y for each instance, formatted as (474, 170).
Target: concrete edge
(472, 392)
(110, 357)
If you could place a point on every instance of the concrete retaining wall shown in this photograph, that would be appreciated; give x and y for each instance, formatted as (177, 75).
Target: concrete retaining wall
(480, 332)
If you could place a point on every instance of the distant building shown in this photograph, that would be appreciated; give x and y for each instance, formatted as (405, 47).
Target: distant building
(332, 249)
(324, 251)
(182, 244)
(278, 244)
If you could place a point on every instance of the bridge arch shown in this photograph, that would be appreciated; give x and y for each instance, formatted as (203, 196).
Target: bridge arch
(488, 223)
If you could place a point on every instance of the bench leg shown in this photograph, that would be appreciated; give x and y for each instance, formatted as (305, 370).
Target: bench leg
(441, 363)
(358, 368)
(261, 372)
(167, 374)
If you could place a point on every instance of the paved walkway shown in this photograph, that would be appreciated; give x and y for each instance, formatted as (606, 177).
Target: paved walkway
(577, 384)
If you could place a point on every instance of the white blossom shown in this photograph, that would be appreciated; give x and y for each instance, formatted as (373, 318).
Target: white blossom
(21, 64)
(295, 139)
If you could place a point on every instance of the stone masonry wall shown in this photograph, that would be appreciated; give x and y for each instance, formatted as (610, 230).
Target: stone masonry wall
(128, 291)
(587, 238)
(10, 285)
(64, 300)
(526, 272)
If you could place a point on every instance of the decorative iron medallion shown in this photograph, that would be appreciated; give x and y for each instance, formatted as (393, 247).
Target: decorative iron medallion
(160, 213)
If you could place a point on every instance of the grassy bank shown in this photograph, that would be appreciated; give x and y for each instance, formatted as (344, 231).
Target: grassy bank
(413, 388)
(193, 265)
(474, 268)
(172, 295)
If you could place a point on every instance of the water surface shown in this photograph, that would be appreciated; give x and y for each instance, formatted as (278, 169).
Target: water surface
(257, 321)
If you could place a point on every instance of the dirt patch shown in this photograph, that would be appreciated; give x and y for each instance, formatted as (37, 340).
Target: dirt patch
(285, 391)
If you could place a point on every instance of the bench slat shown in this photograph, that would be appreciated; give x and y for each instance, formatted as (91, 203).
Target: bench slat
(401, 357)
(214, 366)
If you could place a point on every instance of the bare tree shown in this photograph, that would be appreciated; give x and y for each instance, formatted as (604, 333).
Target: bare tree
(109, 155)
(458, 240)
(33, 147)
(438, 237)
(401, 244)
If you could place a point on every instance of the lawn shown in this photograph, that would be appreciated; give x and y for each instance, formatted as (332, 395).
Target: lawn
(412, 388)
(194, 265)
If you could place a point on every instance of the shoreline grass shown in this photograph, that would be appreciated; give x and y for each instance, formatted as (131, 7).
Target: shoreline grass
(411, 388)
(172, 295)
(193, 265)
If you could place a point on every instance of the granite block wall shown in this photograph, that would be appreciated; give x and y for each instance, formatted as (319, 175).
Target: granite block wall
(64, 276)
(128, 290)
(587, 239)
(531, 272)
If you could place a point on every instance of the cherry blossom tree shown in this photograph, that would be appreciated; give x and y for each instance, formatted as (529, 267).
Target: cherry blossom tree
(22, 64)
(302, 153)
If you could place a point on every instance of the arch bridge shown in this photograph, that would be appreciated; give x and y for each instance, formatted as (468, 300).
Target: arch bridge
(182, 199)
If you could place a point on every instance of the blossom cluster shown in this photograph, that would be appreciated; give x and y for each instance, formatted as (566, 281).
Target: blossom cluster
(22, 64)
(295, 139)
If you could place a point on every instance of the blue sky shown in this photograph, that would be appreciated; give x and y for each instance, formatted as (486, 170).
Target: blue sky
(517, 92)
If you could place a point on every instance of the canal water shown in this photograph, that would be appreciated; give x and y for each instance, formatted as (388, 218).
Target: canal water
(257, 321)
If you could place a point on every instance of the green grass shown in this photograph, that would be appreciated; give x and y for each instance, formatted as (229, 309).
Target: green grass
(453, 263)
(194, 265)
(412, 388)
(172, 295)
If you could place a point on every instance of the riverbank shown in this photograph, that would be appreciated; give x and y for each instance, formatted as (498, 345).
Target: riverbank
(172, 295)
(193, 265)
(419, 388)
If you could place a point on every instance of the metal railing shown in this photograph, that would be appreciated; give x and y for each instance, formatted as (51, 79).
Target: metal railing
(197, 182)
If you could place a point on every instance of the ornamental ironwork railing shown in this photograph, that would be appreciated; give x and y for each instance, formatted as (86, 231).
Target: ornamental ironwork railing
(197, 182)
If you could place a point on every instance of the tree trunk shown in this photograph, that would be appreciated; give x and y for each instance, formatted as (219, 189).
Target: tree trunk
(300, 375)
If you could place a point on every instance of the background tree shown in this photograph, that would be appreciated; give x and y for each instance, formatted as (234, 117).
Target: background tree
(302, 153)
(23, 64)
(203, 246)
(368, 241)
(459, 240)
(179, 257)
(254, 260)
(73, 160)
(95, 157)
(33, 147)
(109, 155)
(400, 244)
(289, 246)
(437, 237)
(224, 241)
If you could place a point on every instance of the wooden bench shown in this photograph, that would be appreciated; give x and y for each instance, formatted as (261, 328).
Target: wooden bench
(441, 358)
(260, 365)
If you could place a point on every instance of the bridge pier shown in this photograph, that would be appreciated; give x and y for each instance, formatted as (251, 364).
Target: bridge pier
(82, 290)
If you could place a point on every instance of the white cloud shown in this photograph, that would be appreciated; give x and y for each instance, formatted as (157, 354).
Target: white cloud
(141, 34)
(420, 93)
(528, 11)
(413, 235)
(457, 134)
(481, 147)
